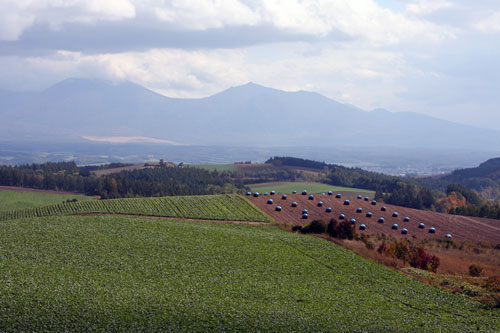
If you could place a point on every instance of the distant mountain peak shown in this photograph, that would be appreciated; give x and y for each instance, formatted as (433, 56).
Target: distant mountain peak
(249, 114)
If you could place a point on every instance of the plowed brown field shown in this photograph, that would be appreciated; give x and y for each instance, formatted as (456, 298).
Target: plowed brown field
(460, 227)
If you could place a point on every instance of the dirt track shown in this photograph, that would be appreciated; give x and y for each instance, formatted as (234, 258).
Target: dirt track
(460, 227)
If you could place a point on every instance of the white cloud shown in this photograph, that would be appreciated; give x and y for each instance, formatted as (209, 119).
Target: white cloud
(18, 15)
(423, 7)
(489, 24)
(205, 14)
(359, 18)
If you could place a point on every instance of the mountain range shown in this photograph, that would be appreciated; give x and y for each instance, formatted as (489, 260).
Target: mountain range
(247, 115)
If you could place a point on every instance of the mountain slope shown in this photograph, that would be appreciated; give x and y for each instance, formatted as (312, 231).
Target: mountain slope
(485, 178)
(249, 115)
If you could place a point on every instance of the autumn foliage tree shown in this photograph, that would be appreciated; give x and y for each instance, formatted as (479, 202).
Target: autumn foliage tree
(416, 256)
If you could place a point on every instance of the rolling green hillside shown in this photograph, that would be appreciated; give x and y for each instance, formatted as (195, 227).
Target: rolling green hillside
(287, 187)
(74, 273)
(210, 207)
(10, 200)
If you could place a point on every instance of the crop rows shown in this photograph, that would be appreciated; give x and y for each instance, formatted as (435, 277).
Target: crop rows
(116, 273)
(210, 207)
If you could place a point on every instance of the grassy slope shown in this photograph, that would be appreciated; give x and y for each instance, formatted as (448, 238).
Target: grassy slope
(218, 167)
(122, 273)
(210, 207)
(287, 187)
(10, 200)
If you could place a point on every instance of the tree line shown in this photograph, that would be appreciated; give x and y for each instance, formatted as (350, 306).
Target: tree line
(67, 176)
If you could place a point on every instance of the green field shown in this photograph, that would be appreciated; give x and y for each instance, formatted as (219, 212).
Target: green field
(113, 273)
(288, 187)
(218, 167)
(10, 200)
(210, 207)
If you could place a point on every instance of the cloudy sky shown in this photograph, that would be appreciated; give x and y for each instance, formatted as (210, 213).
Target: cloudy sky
(438, 57)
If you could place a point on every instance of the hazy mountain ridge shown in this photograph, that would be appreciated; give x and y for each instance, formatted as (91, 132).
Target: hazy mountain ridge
(248, 115)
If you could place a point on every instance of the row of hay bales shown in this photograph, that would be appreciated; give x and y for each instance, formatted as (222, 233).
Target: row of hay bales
(305, 213)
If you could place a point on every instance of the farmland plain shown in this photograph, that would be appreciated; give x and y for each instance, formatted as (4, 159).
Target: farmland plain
(288, 187)
(75, 273)
(13, 199)
(209, 207)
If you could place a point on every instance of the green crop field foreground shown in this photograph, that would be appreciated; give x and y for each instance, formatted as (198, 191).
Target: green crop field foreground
(209, 207)
(10, 200)
(116, 273)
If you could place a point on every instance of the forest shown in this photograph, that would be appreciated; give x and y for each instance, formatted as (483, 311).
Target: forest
(67, 176)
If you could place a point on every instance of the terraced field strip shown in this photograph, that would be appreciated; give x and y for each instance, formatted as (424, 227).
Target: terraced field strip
(288, 187)
(207, 207)
(114, 273)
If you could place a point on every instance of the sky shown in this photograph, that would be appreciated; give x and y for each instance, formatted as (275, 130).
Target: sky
(436, 57)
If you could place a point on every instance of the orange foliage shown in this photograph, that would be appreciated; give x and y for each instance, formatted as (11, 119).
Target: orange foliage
(453, 201)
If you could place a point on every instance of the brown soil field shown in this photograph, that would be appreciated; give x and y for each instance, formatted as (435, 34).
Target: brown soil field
(461, 228)
(24, 189)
